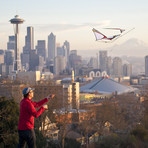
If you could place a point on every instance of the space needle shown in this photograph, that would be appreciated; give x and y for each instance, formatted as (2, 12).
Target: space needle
(16, 21)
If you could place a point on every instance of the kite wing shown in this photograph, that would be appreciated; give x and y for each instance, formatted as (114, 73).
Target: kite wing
(113, 37)
(98, 35)
(121, 30)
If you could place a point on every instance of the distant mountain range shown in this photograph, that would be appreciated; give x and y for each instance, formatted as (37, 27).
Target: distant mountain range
(132, 47)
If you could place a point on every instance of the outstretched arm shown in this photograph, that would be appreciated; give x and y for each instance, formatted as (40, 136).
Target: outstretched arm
(40, 103)
(33, 112)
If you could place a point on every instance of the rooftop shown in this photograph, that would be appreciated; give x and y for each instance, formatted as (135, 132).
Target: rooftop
(105, 85)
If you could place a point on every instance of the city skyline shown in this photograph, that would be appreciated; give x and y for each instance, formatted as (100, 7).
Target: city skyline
(73, 21)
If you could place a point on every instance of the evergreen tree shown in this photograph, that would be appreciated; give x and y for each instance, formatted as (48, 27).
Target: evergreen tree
(9, 114)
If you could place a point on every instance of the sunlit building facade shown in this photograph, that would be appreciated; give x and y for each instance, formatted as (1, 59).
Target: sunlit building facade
(117, 67)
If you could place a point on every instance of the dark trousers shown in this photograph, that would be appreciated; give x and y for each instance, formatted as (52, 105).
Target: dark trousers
(27, 136)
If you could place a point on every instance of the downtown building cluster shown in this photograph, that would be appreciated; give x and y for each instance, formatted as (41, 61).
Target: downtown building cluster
(54, 58)
(59, 59)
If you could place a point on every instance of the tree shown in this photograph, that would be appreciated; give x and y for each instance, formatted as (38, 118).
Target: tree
(132, 110)
(140, 132)
(108, 115)
(71, 143)
(41, 141)
(9, 114)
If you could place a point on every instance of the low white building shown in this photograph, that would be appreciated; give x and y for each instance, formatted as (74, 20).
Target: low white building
(47, 76)
(98, 73)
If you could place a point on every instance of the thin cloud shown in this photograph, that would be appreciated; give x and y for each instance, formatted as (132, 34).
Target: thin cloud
(69, 27)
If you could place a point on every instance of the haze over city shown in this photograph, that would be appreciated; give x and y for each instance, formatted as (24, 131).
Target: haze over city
(95, 93)
(73, 21)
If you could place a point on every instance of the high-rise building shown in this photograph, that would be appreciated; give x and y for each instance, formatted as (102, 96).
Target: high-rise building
(2, 54)
(60, 51)
(3, 69)
(75, 61)
(67, 95)
(9, 57)
(127, 69)
(146, 66)
(59, 65)
(40, 65)
(109, 65)
(25, 60)
(75, 95)
(41, 48)
(2, 61)
(67, 50)
(11, 43)
(29, 45)
(29, 40)
(93, 62)
(33, 60)
(117, 67)
(103, 60)
(52, 51)
(73, 52)
(71, 95)
(64, 51)
(7, 61)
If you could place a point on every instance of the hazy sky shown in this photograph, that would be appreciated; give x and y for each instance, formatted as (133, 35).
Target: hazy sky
(73, 20)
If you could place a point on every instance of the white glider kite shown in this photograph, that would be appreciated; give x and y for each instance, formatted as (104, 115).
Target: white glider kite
(101, 37)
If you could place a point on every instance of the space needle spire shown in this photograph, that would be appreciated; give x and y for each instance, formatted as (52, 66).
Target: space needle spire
(16, 21)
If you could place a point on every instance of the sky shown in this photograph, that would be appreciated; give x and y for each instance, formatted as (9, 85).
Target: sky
(73, 20)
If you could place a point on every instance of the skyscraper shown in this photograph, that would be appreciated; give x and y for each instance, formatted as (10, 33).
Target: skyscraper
(41, 48)
(52, 51)
(11, 43)
(29, 45)
(29, 40)
(146, 66)
(103, 60)
(9, 61)
(127, 69)
(93, 63)
(75, 61)
(117, 67)
(67, 50)
(9, 57)
(59, 64)
(2, 54)
(33, 60)
(109, 65)
(60, 51)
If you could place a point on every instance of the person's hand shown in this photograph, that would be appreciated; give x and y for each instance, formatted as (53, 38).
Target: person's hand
(45, 106)
(51, 96)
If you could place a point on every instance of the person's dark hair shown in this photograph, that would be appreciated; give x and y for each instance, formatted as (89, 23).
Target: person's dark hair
(26, 95)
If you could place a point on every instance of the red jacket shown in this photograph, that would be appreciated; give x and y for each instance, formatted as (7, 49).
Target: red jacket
(28, 112)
